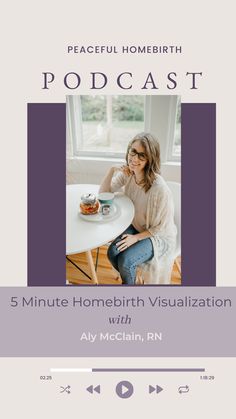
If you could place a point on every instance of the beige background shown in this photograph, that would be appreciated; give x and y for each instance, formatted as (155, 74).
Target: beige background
(35, 36)
(23, 394)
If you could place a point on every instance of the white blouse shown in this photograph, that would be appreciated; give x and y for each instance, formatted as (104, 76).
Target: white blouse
(137, 195)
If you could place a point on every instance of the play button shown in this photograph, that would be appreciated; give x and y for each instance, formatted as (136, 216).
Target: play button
(124, 389)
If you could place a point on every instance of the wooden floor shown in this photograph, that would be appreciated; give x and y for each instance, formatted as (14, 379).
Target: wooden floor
(106, 275)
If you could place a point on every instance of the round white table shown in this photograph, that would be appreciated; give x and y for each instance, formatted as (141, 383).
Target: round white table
(82, 235)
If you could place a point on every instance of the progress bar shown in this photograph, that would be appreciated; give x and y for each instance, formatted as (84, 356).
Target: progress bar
(148, 369)
(127, 370)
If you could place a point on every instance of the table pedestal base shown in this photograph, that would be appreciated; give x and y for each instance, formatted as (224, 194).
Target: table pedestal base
(92, 268)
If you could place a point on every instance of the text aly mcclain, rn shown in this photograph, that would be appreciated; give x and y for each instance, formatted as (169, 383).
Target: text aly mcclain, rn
(121, 336)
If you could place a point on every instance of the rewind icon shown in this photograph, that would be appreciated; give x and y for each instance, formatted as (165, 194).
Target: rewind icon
(91, 389)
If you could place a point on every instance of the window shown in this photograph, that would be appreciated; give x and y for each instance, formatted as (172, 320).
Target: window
(103, 125)
(107, 123)
(163, 118)
(175, 145)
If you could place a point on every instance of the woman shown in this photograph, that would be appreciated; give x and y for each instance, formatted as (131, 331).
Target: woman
(150, 239)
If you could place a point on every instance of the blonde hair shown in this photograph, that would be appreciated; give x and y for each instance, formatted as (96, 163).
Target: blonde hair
(152, 151)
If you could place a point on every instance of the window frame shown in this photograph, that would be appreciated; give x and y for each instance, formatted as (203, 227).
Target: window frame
(171, 157)
(159, 118)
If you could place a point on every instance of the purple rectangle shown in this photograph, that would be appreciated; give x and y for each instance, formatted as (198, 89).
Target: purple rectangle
(188, 329)
(46, 194)
(199, 194)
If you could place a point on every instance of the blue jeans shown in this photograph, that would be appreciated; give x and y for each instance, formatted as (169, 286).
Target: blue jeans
(126, 262)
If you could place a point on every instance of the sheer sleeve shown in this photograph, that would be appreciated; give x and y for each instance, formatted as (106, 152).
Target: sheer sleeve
(118, 181)
(160, 211)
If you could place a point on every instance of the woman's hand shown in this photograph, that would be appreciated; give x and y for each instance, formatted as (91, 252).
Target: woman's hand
(127, 241)
(107, 180)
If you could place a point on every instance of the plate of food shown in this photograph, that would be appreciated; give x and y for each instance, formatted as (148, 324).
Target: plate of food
(91, 209)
